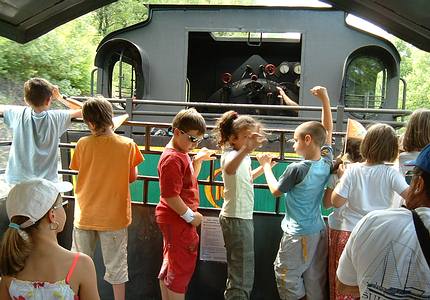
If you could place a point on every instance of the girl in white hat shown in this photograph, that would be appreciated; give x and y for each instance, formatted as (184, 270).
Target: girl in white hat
(32, 263)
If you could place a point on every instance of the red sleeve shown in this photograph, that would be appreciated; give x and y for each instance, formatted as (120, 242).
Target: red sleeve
(170, 174)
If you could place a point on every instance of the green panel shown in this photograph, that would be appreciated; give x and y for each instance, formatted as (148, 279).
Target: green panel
(264, 201)
(136, 191)
(210, 196)
(148, 168)
(154, 192)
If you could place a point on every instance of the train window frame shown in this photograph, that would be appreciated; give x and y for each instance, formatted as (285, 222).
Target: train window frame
(126, 87)
(122, 51)
(387, 63)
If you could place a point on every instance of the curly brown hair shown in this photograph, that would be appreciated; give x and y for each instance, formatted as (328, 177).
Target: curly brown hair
(230, 123)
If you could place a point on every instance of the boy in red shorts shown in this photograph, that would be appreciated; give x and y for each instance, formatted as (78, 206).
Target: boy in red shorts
(176, 213)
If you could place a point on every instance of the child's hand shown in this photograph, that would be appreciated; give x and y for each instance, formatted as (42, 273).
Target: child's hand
(56, 93)
(319, 92)
(204, 154)
(264, 158)
(341, 170)
(197, 219)
(254, 140)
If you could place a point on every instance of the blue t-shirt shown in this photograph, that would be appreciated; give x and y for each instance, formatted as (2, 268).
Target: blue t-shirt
(34, 150)
(303, 184)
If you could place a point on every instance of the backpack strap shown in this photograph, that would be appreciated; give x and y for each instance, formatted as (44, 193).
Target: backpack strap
(423, 235)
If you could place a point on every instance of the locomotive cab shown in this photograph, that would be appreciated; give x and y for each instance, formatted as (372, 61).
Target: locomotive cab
(244, 68)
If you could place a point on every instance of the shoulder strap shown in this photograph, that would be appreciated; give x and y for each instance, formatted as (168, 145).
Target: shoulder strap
(72, 268)
(423, 235)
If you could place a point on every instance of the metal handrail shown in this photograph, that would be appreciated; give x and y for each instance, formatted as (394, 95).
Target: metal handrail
(253, 106)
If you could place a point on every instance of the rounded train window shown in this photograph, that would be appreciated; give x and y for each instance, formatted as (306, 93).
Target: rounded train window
(365, 84)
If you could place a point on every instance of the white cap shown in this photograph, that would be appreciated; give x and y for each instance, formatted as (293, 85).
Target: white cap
(33, 199)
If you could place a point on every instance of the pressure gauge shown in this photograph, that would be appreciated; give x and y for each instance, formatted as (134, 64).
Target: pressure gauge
(284, 68)
(297, 69)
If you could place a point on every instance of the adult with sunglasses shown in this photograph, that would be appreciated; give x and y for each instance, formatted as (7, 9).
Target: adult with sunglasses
(388, 253)
(32, 263)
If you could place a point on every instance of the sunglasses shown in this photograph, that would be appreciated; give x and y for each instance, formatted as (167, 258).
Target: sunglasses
(411, 174)
(64, 204)
(193, 139)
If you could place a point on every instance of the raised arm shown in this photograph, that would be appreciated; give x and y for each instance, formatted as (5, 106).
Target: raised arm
(326, 118)
(287, 100)
(75, 106)
(3, 108)
(200, 157)
(265, 161)
(76, 113)
(253, 141)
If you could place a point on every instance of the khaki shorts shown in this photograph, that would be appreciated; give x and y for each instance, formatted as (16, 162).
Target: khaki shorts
(114, 250)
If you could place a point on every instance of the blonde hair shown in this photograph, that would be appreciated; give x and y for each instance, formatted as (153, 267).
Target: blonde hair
(315, 129)
(189, 119)
(99, 112)
(15, 247)
(380, 144)
(230, 124)
(417, 134)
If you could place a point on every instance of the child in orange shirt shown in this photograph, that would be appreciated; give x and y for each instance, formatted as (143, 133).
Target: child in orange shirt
(106, 163)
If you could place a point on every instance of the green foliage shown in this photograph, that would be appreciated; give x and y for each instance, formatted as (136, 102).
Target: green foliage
(118, 15)
(415, 69)
(63, 56)
(125, 13)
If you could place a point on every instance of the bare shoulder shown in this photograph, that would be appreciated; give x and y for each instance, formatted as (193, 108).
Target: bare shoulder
(84, 269)
(4, 287)
(5, 281)
(85, 262)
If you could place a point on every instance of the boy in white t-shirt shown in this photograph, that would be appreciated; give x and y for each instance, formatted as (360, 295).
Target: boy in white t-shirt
(36, 132)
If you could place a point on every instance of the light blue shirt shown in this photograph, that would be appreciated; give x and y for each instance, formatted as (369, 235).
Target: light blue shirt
(34, 150)
(303, 184)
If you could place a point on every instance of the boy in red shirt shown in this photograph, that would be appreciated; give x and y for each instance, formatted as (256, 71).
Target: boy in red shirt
(176, 213)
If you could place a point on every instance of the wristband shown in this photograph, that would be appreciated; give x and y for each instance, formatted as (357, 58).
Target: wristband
(188, 216)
